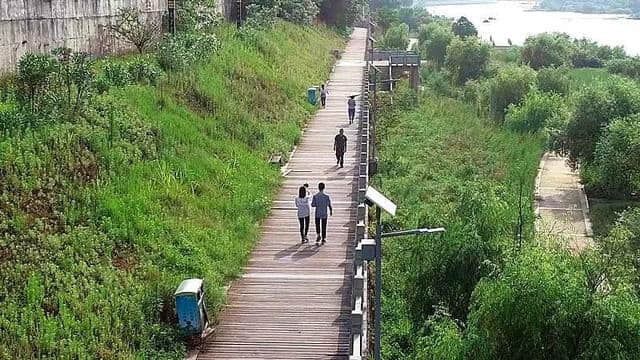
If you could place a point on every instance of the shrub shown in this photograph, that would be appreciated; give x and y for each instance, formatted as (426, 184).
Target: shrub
(179, 51)
(544, 50)
(116, 73)
(628, 67)
(144, 71)
(396, 38)
(438, 82)
(594, 108)
(35, 73)
(466, 59)
(301, 12)
(541, 307)
(617, 158)
(537, 111)
(588, 53)
(553, 80)
(509, 87)
(197, 16)
(433, 40)
(463, 28)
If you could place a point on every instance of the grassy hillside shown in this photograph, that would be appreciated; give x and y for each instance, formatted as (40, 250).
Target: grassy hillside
(102, 217)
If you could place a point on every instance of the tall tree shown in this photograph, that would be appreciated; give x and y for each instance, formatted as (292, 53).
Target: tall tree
(433, 40)
(463, 28)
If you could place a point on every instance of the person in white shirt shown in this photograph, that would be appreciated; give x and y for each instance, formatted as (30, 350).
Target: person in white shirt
(323, 95)
(304, 213)
(351, 104)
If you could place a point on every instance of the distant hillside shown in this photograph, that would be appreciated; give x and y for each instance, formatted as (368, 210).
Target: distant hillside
(593, 6)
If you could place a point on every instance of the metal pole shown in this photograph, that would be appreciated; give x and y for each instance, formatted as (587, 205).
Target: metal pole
(378, 314)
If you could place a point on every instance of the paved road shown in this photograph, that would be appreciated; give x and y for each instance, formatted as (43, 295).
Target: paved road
(561, 204)
(293, 301)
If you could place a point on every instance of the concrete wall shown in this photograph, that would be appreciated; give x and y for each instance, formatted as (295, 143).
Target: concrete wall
(43, 25)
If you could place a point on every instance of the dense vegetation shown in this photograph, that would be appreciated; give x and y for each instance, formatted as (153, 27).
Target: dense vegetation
(119, 179)
(593, 6)
(463, 154)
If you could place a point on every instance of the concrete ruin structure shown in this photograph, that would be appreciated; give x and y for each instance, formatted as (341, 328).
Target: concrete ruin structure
(43, 25)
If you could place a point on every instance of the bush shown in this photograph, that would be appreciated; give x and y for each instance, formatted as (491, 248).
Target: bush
(463, 28)
(509, 87)
(35, 76)
(628, 67)
(553, 80)
(588, 53)
(544, 50)
(116, 73)
(144, 71)
(438, 82)
(594, 108)
(179, 51)
(537, 111)
(617, 158)
(396, 38)
(541, 307)
(467, 59)
(301, 12)
(433, 40)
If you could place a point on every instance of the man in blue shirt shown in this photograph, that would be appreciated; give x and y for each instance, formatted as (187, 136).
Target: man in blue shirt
(321, 202)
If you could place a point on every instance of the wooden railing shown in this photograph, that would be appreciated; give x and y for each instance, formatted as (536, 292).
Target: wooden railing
(397, 58)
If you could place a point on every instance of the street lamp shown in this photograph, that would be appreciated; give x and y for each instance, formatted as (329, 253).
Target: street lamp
(370, 251)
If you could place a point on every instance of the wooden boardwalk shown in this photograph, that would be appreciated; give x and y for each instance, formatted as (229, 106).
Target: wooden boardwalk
(294, 300)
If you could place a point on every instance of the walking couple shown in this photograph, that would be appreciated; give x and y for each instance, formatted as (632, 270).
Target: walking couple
(321, 202)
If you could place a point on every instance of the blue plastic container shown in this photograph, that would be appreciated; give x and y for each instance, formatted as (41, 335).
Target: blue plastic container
(190, 308)
(311, 95)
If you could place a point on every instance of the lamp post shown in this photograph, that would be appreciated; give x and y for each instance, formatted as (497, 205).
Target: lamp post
(373, 197)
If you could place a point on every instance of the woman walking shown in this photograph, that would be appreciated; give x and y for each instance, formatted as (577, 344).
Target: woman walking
(304, 212)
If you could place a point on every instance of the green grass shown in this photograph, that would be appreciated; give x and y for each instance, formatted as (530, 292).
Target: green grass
(101, 219)
(584, 77)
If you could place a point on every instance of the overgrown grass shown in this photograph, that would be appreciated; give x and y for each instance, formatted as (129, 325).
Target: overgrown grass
(101, 219)
(604, 214)
(444, 166)
(583, 77)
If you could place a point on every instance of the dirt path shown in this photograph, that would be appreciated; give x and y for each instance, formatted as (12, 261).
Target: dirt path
(561, 204)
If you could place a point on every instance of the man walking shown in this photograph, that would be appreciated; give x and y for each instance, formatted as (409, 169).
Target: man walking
(321, 202)
(323, 95)
(340, 147)
(351, 103)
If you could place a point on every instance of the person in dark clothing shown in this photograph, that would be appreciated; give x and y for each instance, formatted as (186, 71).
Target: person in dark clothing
(304, 213)
(351, 103)
(321, 202)
(323, 95)
(340, 147)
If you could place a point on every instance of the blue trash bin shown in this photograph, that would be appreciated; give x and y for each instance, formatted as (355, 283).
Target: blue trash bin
(190, 308)
(311, 95)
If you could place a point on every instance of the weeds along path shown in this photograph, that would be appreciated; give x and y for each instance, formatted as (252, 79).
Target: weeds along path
(293, 301)
(561, 204)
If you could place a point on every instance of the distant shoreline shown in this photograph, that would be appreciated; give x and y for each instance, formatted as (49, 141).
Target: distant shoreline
(537, 7)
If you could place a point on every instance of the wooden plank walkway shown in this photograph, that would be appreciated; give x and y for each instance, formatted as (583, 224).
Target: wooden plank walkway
(294, 300)
(561, 204)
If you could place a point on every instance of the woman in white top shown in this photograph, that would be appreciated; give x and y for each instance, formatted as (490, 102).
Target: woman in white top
(304, 212)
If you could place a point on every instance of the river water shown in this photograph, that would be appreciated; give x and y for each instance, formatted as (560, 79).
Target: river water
(517, 20)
